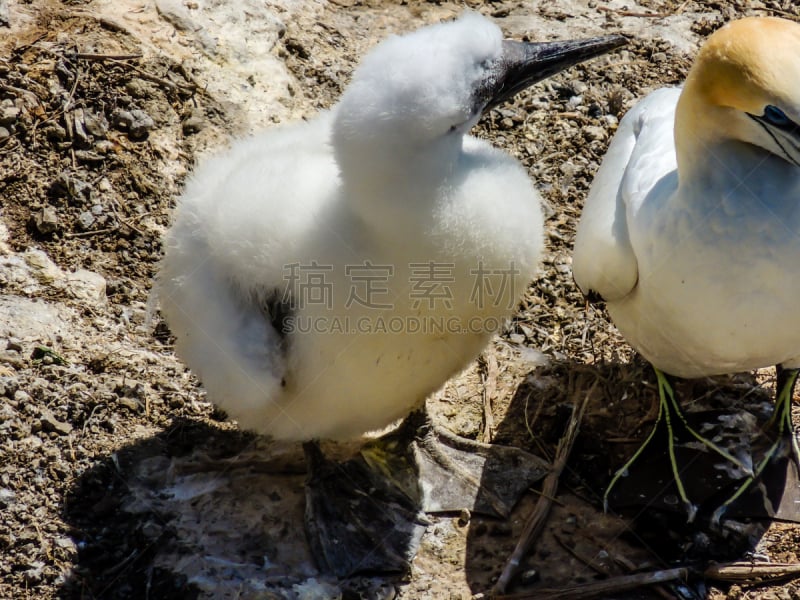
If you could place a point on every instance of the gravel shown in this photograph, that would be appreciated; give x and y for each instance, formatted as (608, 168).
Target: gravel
(117, 478)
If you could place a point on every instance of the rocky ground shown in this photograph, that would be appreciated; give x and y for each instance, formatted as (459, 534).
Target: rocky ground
(119, 480)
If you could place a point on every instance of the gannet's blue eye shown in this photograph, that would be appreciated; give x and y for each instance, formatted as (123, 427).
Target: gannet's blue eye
(775, 116)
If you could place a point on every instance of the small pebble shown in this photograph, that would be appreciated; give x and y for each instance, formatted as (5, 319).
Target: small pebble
(87, 156)
(8, 115)
(464, 517)
(122, 119)
(95, 123)
(35, 573)
(65, 542)
(7, 497)
(593, 133)
(21, 397)
(85, 220)
(67, 183)
(49, 422)
(45, 220)
(517, 338)
(528, 577)
(611, 120)
(54, 132)
(136, 122)
(193, 123)
(141, 125)
(104, 146)
(129, 403)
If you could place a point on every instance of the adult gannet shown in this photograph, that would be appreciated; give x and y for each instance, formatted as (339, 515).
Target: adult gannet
(691, 231)
(323, 278)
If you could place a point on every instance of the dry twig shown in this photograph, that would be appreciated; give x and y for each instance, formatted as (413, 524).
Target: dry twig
(538, 516)
(489, 391)
(122, 60)
(605, 588)
(783, 13)
(648, 15)
(114, 206)
(93, 232)
(166, 83)
(95, 56)
(753, 573)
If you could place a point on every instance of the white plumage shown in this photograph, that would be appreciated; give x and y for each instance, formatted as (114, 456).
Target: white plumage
(697, 250)
(691, 231)
(381, 180)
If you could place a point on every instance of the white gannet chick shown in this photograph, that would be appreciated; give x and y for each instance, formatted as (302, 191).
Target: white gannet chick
(691, 231)
(323, 278)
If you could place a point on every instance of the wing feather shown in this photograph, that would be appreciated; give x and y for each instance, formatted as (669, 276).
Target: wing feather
(604, 262)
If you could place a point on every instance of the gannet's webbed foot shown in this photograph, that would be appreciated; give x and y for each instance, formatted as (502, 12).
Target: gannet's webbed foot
(671, 418)
(366, 514)
(357, 520)
(453, 473)
(779, 430)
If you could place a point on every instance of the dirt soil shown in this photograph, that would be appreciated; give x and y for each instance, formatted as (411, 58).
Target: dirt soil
(119, 480)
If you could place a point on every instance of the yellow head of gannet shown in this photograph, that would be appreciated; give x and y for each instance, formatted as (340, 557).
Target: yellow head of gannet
(691, 231)
(744, 85)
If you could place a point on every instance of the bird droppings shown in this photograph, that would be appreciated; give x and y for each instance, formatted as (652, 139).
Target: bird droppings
(81, 513)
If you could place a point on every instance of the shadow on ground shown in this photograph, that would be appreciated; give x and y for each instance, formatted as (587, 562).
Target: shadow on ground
(147, 523)
(197, 510)
(581, 543)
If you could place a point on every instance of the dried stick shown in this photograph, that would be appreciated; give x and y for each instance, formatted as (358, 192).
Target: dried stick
(489, 391)
(93, 232)
(783, 13)
(742, 571)
(95, 56)
(648, 15)
(538, 516)
(166, 83)
(605, 588)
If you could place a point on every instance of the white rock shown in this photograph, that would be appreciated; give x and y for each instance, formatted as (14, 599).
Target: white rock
(29, 320)
(87, 285)
(42, 268)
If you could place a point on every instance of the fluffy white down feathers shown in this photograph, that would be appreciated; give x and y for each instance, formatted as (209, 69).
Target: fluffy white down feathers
(417, 240)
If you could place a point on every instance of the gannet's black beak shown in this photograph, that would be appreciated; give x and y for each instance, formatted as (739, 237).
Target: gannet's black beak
(524, 63)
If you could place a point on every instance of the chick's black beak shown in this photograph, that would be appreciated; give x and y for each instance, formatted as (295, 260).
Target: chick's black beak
(524, 63)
